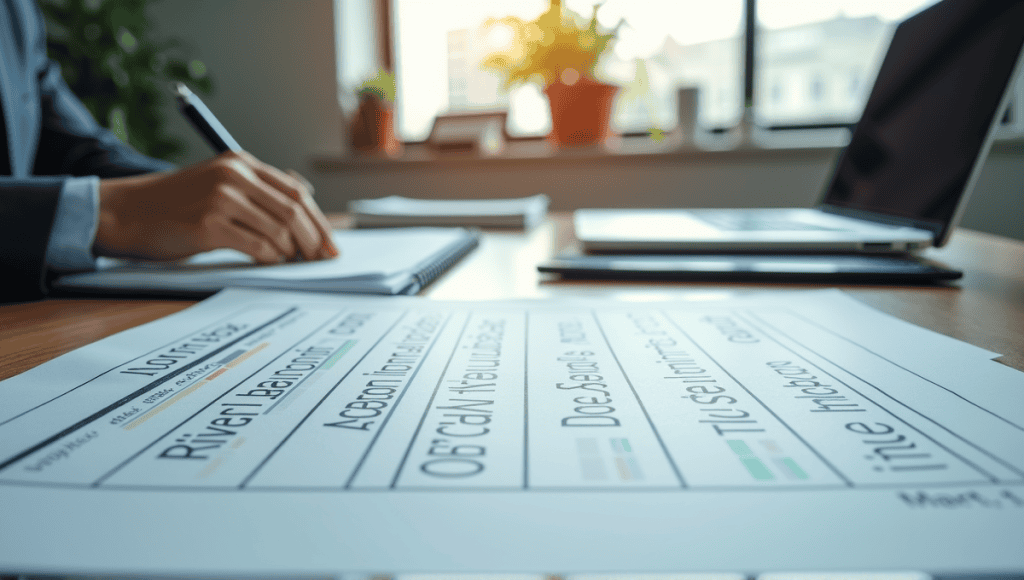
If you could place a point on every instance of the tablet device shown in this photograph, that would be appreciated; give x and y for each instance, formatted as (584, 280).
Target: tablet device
(816, 268)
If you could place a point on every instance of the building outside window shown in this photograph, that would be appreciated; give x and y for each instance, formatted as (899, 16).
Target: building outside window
(815, 63)
(816, 47)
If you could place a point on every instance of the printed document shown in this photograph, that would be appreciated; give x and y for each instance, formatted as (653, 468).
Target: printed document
(282, 433)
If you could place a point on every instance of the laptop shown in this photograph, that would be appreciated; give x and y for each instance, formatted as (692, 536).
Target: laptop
(903, 181)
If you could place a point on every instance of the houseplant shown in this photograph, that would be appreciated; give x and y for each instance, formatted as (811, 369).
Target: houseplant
(373, 127)
(113, 60)
(560, 51)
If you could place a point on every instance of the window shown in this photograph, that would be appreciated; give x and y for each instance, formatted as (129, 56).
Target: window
(816, 40)
(664, 44)
(817, 88)
(815, 60)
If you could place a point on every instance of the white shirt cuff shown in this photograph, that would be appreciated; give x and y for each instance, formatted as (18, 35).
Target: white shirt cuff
(74, 226)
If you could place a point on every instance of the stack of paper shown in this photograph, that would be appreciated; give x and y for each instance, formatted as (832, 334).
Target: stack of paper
(396, 211)
(275, 434)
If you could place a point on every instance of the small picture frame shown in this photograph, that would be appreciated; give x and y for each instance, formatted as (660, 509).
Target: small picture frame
(482, 132)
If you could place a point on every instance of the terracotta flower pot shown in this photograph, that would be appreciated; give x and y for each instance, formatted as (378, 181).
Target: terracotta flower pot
(373, 128)
(581, 112)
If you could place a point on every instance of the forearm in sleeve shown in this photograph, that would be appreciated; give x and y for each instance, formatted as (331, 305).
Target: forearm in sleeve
(74, 226)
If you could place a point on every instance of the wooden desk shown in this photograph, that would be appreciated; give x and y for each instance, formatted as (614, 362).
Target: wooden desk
(985, 308)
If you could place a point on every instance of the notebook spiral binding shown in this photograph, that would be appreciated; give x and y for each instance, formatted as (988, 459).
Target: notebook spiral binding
(432, 271)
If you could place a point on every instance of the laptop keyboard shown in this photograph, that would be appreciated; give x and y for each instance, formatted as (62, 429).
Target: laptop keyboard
(734, 221)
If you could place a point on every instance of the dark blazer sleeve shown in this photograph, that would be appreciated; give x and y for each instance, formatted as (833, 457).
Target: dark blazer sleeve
(27, 207)
(47, 136)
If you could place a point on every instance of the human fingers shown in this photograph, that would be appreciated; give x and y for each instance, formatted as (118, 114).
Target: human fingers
(302, 181)
(242, 171)
(224, 232)
(330, 249)
(297, 188)
(238, 207)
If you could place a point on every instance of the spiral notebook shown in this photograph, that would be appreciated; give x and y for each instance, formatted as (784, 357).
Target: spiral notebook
(391, 261)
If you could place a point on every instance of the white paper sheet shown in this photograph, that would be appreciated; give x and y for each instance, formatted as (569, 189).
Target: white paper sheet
(290, 433)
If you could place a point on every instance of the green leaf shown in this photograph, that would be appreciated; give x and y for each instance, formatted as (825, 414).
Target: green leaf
(557, 40)
(118, 123)
(112, 59)
(382, 86)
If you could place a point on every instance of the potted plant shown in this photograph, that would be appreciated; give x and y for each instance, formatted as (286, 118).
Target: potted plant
(373, 127)
(117, 64)
(559, 51)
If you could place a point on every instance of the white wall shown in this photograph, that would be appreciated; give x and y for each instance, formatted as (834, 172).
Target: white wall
(274, 65)
(274, 69)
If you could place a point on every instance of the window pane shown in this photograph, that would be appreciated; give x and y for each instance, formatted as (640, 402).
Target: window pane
(668, 44)
(817, 59)
(663, 45)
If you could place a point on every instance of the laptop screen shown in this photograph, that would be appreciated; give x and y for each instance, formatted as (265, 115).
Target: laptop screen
(928, 118)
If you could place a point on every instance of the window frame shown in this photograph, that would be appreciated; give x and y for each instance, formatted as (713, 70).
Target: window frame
(1011, 127)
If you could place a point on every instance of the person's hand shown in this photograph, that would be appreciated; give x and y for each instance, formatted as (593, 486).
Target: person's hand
(231, 201)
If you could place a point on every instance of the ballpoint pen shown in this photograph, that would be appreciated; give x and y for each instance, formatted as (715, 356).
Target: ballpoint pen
(193, 108)
(203, 120)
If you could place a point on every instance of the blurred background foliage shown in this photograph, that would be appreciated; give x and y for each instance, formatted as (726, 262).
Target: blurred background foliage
(112, 61)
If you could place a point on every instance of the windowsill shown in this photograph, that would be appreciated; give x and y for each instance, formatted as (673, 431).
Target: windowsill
(626, 149)
(776, 145)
